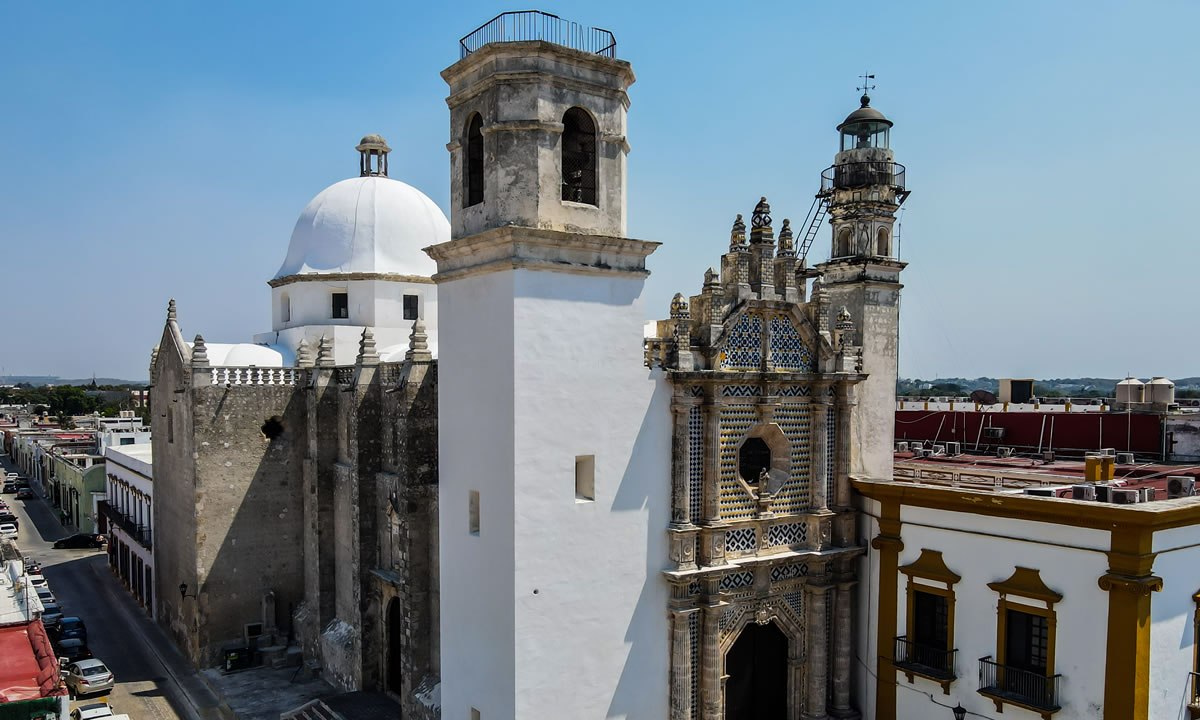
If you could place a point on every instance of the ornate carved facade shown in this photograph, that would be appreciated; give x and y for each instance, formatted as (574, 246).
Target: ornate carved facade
(762, 526)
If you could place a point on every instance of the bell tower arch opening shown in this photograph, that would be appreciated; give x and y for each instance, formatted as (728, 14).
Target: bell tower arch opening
(579, 157)
(473, 162)
(757, 668)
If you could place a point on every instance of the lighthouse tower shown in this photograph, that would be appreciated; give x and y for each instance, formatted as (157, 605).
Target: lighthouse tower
(865, 187)
(554, 438)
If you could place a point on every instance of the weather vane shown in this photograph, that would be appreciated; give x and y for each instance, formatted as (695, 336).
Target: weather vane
(866, 77)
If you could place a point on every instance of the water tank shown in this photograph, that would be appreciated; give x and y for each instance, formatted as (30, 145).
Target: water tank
(1130, 390)
(1161, 392)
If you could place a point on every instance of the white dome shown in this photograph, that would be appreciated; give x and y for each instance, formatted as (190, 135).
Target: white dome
(366, 225)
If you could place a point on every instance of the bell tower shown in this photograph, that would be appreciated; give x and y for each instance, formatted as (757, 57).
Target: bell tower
(553, 437)
(865, 187)
(537, 128)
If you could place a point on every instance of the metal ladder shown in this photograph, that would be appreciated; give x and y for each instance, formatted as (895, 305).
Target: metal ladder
(816, 215)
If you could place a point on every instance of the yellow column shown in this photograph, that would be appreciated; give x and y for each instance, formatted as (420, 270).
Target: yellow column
(889, 545)
(1129, 584)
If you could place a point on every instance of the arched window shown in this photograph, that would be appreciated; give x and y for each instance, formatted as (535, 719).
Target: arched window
(579, 157)
(881, 242)
(473, 162)
(285, 308)
(845, 242)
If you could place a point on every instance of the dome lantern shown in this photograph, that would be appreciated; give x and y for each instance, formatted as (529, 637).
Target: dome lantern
(373, 151)
(866, 127)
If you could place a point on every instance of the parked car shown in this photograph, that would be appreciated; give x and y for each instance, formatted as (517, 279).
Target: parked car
(92, 711)
(22, 483)
(10, 486)
(25, 494)
(78, 540)
(38, 581)
(71, 627)
(72, 649)
(7, 516)
(46, 596)
(32, 567)
(8, 531)
(87, 676)
(51, 614)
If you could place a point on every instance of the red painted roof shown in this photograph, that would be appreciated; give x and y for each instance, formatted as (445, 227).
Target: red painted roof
(28, 668)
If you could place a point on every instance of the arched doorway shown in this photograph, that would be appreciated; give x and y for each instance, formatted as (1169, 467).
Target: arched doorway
(394, 633)
(757, 670)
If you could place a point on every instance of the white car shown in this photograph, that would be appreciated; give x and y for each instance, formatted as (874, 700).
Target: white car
(8, 531)
(38, 581)
(91, 711)
(87, 676)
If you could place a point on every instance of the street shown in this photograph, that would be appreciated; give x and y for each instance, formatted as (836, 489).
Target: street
(147, 670)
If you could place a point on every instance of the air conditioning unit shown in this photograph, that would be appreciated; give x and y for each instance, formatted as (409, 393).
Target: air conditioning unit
(1083, 492)
(953, 448)
(902, 447)
(1125, 459)
(922, 453)
(1125, 497)
(1048, 457)
(939, 449)
(993, 433)
(1147, 494)
(1004, 452)
(1103, 492)
(1180, 486)
(1040, 492)
(1108, 452)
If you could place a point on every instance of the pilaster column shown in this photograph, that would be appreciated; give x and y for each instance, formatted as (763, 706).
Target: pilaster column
(817, 602)
(1129, 584)
(819, 499)
(711, 690)
(845, 406)
(842, 650)
(712, 469)
(680, 465)
(889, 545)
(681, 665)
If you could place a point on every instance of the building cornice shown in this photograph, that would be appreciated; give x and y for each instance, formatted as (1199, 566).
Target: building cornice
(347, 277)
(513, 247)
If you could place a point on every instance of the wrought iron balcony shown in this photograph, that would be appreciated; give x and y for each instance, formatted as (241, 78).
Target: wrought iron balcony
(527, 25)
(1004, 683)
(927, 661)
(140, 533)
(863, 174)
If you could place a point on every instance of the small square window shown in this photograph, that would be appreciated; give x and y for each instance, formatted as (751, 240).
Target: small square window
(585, 478)
(473, 511)
(341, 305)
(410, 307)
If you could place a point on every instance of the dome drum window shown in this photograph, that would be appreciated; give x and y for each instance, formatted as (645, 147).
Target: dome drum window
(340, 306)
(579, 180)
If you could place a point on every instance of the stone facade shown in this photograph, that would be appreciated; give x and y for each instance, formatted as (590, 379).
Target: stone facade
(303, 501)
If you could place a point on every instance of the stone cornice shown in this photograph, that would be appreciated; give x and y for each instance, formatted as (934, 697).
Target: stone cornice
(346, 277)
(497, 52)
(513, 247)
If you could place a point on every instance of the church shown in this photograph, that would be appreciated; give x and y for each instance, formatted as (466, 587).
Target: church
(464, 469)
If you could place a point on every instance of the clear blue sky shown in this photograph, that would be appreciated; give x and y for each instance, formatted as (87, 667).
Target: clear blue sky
(151, 150)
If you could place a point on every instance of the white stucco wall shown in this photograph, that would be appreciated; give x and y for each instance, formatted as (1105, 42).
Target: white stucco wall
(557, 607)
(983, 550)
(866, 610)
(1172, 617)
(475, 448)
(591, 607)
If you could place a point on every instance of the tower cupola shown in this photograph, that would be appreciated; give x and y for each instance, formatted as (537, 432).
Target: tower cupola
(866, 127)
(373, 156)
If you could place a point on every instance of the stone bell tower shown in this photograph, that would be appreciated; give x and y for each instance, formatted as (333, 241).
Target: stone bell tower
(554, 438)
(865, 187)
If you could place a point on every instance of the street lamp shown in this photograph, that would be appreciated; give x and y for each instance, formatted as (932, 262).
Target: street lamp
(959, 712)
(183, 591)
